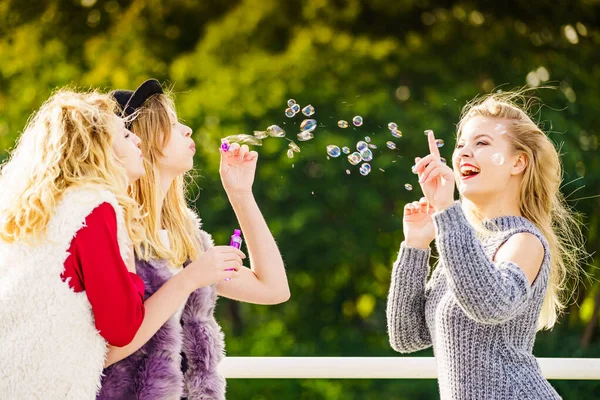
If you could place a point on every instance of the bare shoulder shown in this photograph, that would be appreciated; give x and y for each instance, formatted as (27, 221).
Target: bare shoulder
(525, 250)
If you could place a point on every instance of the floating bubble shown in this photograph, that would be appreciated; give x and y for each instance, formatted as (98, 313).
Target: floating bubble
(500, 129)
(439, 142)
(261, 134)
(275, 131)
(290, 153)
(295, 108)
(346, 150)
(427, 131)
(498, 159)
(367, 139)
(305, 135)
(243, 139)
(354, 158)
(372, 146)
(308, 125)
(360, 146)
(365, 169)
(289, 112)
(396, 133)
(333, 151)
(291, 102)
(348, 172)
(382, 170)
(408, 186)
(390, 145)
(342, 123)
(308, 110)
(357, 121)
(392, 126)
(366, 155)
(294, 146)
(443, 160)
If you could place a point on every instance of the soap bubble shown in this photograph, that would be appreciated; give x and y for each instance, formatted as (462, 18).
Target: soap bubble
(308, 125)
(366, 155)
(354, 158)
(289, 112)
(372, 146)
(357, 121)
(396, 133)
(348, 172)
(408, 186)
(367, 139)
(295, 108)
(260, 134)
(391, 145)
(291, 102)
(342, 123)
(294, 146)
(275, 131)
(290, 153)
(305, 135)
(443, 160)
(360, 146)
(346, 150)
(498, 159)
(392, 126)
(333, 150)
(365, 169)
(439, 142)
(308, 110)
(243, 139)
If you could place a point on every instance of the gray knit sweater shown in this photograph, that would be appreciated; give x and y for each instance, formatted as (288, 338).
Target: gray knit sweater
(480, 316)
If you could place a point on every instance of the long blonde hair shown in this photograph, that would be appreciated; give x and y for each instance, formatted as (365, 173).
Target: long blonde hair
(541, 201)
(153, 125)
(66, 144)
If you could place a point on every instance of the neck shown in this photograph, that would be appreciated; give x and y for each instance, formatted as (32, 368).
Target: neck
(495, 208)
(166, 180)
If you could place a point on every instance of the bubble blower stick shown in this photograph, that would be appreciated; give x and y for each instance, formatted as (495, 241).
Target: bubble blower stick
(236, 241)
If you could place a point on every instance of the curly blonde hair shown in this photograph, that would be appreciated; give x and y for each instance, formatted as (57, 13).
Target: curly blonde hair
(541, 201)
(66, 144)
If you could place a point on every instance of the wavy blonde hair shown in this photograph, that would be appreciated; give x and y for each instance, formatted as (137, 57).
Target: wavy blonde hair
(541, 201)
(153, 125)
(66, 144)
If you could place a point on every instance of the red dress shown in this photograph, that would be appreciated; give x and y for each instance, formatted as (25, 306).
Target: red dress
(95, 265)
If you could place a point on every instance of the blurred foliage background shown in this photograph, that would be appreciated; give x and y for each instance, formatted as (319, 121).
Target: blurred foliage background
(232, 66)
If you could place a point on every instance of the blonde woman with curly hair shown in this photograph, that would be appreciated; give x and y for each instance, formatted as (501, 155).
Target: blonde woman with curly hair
(66, 227)
(177, 356)
(506, 251)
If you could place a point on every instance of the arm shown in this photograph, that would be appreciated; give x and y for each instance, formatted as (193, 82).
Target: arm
(266, 281)
(159, 308)
(406, 301)
(489, 292)
(216, 264)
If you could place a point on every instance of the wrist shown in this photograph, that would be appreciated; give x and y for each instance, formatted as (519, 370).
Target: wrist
(236, 198)
(443, 206)
(417, 243)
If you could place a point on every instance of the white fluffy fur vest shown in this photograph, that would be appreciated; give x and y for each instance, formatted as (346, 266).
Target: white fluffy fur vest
(49, 346)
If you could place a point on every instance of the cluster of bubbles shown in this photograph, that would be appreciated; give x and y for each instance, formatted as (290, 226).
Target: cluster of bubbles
(363, 154)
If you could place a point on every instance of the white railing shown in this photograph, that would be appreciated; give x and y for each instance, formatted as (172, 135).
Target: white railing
(380, 368)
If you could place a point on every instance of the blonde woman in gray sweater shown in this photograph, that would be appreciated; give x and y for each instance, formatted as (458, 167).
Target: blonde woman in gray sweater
(505, 251)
